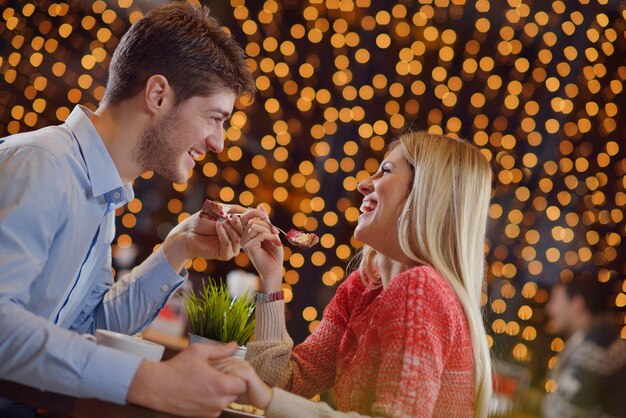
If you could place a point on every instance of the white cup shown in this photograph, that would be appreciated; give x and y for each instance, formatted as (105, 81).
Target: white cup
(133, 345)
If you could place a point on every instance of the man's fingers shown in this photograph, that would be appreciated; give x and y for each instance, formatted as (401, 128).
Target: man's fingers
(228, 248)
(233, 237)
(235, 222)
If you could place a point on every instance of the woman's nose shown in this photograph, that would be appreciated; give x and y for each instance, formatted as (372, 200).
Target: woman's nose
(365, 187)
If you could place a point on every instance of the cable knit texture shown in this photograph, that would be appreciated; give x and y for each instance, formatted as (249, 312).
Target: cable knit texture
(401, 352)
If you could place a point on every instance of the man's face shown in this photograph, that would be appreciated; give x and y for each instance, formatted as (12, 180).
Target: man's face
(195, 127)
(561, 309)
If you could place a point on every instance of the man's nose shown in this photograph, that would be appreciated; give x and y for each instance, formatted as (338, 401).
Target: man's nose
(215, 143)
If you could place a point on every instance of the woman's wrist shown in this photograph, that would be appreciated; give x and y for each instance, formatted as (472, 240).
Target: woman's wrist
(267, 397)
(270, 284)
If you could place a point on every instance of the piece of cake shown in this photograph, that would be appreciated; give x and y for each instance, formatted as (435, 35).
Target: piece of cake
(214, 211)
(302, 239)
(248, 409)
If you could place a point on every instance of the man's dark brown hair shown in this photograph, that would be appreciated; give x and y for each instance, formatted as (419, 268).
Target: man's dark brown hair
(186, 45)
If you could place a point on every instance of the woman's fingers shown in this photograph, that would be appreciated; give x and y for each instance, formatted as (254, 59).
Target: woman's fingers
(229, 365)
(255, 228)
(259, 238)
(252, 214)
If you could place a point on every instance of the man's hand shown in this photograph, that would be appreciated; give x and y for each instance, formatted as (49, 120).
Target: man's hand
(201, 237)
(187, 385)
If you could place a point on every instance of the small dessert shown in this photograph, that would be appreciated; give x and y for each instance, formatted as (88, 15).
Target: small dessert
(249, 409)
(302, 239)
(214, 211)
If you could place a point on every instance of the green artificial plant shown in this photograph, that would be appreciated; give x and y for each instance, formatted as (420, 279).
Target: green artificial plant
(212, 314)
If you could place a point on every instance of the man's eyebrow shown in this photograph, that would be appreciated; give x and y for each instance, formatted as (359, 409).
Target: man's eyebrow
(225, 114)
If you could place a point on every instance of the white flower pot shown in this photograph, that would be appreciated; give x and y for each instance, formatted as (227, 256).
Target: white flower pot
(194, 338)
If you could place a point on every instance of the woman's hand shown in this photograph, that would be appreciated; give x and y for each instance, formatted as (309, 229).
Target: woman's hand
(260, 241)
(259, 394)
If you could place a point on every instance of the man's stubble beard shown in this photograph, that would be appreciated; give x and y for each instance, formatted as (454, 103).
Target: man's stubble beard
(155, 151)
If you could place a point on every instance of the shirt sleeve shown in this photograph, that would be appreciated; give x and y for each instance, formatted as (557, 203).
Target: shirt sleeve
(310, 368)
(34, 351)
(132, 302)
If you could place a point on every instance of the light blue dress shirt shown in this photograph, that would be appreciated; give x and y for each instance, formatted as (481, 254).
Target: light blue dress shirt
(59, 189)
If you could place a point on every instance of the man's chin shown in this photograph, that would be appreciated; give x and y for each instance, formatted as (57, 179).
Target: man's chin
(178, 178)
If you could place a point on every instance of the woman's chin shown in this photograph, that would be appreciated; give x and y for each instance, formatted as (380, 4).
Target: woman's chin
(360, 234)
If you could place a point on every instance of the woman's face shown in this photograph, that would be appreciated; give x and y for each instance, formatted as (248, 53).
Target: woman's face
(384, 195)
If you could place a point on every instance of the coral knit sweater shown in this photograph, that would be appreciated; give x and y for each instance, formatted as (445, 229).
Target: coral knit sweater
(400, 352)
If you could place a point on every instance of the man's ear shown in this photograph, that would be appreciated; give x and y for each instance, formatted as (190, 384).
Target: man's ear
(158, 94)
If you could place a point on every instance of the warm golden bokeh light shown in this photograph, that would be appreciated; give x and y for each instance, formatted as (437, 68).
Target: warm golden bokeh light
(537, 86)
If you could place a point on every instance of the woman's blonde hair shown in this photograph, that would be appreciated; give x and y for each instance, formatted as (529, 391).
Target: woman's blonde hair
(443, 225)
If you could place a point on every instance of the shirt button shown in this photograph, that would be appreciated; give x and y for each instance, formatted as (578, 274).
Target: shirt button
(164, 288)
(117, 195)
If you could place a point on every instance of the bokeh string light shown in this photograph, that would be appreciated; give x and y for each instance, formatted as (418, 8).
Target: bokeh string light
(538, 86)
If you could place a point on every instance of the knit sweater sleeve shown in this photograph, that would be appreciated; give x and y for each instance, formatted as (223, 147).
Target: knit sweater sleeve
(288, 405)
(310, 368)
(420, 315)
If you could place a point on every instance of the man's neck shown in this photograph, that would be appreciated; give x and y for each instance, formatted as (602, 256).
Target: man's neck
(121, 128)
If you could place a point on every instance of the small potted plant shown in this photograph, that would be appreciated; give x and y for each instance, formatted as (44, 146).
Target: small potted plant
(214, 316)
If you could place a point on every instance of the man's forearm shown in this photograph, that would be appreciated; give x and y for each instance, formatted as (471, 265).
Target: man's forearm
(37, 353)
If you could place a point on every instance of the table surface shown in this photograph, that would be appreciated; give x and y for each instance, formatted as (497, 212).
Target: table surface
(68, 406)
(63, 405)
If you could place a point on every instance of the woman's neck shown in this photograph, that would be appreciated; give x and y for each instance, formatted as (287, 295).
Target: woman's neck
(389, 268)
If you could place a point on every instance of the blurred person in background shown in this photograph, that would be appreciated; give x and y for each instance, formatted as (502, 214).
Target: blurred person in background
(173, 81)
(590, 374)
(403, 336)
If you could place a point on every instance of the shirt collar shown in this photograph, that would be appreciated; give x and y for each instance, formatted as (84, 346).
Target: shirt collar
(104, 177)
